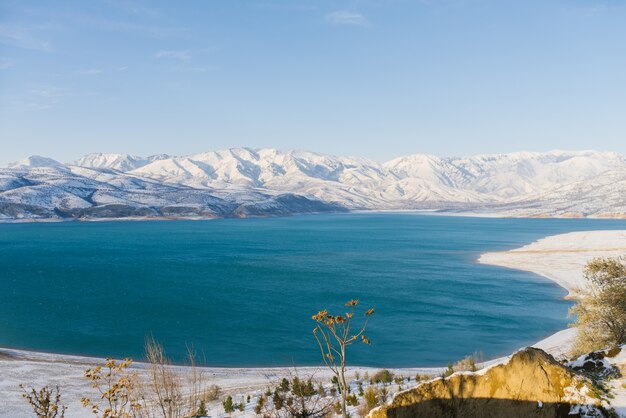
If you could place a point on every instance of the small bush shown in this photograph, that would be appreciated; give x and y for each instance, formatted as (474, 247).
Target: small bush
(320, 389)
(467, 363)
(382, 376)
(383, 395)
(337, 407)
(212, 393)
(284, 385)
(45, 402)
(371, 400)
(202, 412)
(448, 371)
(260, 403)
(115, 386)
(229, 406)
(278, 400)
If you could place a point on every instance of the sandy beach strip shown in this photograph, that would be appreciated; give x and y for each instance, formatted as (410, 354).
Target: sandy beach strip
(559, 258)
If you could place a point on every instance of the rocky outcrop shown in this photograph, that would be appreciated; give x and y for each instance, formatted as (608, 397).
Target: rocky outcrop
(531, 384)
(597, 365)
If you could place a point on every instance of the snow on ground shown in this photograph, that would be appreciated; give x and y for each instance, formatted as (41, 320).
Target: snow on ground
(40, 369)
(559, 258)
(552, 184)
(618, 386)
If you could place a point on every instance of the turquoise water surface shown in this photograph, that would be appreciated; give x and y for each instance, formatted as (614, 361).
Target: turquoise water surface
(242, 291)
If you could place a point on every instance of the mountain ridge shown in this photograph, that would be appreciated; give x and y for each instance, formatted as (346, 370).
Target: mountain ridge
(554, 183)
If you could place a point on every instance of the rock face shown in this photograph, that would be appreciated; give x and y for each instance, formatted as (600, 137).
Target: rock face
(531, 384)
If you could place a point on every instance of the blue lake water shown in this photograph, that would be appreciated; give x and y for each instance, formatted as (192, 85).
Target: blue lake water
(242, 291)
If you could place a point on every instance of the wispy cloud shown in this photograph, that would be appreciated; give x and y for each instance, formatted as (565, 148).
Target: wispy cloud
(90, 71)
(124, 26)
(346, 17)
(132, 7)
(42, 98)
(194, 69)
(5, 63)
(596, 9)
(180, 55)
(22, 38)
(284, 6)
(48, 92)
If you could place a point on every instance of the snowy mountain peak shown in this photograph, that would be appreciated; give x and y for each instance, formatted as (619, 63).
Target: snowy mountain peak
(115, 161)
(35, 161)
(120, 162)
(579, 182)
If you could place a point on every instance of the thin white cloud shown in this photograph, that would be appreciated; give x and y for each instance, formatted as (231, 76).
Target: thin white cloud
(346, 17)
(5, 63)
(193, 69)
(132, 7)
(281, 5)
(90, 71)
(180, 55)
(42, 98)
(22, 38)
(48, 92)
(113, 25)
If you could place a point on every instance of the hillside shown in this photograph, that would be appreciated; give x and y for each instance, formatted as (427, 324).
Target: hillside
(243, 182)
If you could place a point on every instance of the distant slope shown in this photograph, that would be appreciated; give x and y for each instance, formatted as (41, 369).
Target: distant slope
(259, 182)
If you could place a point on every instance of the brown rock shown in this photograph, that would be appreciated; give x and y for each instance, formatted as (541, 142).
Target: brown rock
(531, 384)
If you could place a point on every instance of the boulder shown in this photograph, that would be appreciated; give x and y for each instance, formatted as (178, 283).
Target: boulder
(531, 384)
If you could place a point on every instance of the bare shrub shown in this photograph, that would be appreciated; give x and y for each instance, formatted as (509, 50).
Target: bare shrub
(176, 392)
(296, 397)
(212, 393)
(468, 363)
(46, 402)
(116, 387)
(334, 335)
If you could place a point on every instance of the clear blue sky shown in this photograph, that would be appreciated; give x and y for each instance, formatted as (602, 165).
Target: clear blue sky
(374, 78)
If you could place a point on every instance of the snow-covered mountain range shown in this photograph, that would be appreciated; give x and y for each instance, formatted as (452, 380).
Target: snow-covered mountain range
(249, 182)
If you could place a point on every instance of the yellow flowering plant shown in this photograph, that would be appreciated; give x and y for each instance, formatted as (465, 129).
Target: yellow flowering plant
(115, 386)
(334, 333)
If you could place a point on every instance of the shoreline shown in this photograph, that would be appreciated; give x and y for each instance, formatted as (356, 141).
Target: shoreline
(430, 212)
(561, 259)
(558, 258)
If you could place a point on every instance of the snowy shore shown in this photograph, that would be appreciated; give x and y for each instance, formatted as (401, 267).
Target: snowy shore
(560, 258)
